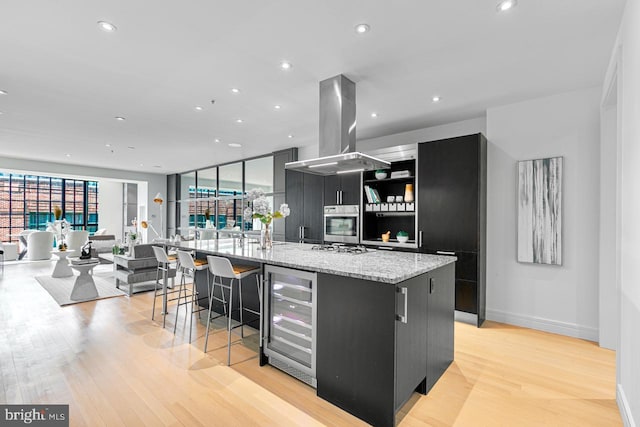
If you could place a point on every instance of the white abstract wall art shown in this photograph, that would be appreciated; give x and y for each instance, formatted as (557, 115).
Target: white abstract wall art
(540, 211)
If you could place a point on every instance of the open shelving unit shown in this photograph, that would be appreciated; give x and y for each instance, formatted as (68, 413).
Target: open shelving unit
(387, 215)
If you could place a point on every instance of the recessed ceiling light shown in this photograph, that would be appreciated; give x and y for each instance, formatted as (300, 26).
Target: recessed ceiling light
(106, 26)
(157, 166)
(141, 164)
(239, 120)
(3, 92)
(198, 108)
(1, 113)
(235, 145)
(374, 115)
(235, 90)
(505, 5)
(216, 140)
(286, 65)
(119, 118)
(289, 136)
(277, 107)
(68, 155)
(362, 28)
(436, 98)
(107, 145)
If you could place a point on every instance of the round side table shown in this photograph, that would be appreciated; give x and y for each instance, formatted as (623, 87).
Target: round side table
(62, 269)
(84, 287)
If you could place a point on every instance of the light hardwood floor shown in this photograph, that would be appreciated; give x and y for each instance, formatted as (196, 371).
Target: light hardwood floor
(115, 367)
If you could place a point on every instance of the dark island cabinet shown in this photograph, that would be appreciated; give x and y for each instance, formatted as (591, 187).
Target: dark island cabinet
(304, 194)
(452, 178)
(378, 343)
(342, 189)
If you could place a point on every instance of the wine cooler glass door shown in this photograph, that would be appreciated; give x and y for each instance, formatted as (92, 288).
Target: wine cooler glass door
(291, 317)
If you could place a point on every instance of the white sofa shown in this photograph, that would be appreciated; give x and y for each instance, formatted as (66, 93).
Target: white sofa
(39, 245)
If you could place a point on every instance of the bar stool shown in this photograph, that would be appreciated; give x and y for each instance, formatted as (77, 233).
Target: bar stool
(188, 268)
(222, 268)
(164, 265)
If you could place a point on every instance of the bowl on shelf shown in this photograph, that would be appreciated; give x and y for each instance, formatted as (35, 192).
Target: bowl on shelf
(381, 174)
(402, 236)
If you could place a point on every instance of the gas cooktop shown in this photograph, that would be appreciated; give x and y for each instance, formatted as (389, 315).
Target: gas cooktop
(342, 249)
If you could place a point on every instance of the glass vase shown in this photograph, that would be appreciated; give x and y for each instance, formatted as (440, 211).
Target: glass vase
(265, 237)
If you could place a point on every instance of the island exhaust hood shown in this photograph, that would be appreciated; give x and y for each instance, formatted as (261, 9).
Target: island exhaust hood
(338, 133)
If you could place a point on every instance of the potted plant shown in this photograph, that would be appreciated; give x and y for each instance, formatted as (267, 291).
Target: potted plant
(402, 236)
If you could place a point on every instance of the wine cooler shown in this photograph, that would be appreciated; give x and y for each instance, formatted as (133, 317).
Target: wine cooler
(289, 330)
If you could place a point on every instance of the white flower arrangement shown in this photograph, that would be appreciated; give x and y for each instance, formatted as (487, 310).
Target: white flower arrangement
(260, 209)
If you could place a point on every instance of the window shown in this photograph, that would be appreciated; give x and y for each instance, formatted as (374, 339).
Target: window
(27, 202)
(230, 185)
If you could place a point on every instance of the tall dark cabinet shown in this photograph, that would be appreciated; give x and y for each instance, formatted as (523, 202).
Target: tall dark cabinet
(280, 158)
(304, 194)
(452, 204)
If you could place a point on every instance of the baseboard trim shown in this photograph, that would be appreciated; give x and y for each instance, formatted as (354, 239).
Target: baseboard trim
(542, 324)
(623, 406)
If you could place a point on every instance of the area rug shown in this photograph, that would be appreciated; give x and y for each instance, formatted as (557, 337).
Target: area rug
(60, 288)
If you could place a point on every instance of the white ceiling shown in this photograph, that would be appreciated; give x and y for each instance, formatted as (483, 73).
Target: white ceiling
(67, 80)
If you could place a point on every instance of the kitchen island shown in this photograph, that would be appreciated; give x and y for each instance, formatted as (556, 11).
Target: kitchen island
(382, 321)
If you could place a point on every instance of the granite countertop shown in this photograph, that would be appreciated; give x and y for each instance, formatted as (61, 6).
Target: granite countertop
(380, 266)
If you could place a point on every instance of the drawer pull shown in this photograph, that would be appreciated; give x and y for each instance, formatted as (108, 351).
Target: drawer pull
(445, 253)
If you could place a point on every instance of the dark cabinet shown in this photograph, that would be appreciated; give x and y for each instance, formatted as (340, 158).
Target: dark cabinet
(280, 159)
(452, 186)
(379, 343)
(304, 194)
(342, 189)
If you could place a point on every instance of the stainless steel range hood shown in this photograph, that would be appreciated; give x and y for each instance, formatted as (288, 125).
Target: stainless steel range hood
(338, 133)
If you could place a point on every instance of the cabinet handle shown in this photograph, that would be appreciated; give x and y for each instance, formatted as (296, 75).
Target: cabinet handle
(302, 232)
(432, 285)
(405, 293)
(420, 239)
(445, 253)
(341, 194)
(337, 197)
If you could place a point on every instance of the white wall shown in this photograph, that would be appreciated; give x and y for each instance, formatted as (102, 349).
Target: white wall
(110, 206)
(628, 367)
(449, 130)
(562, 299)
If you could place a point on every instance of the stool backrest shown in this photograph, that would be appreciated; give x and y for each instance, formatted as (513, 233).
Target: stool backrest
(185, 259)
(219, 266)
(161, 255)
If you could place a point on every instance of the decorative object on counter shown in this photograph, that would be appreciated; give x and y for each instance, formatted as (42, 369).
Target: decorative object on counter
(398, 199)
(391, 199)
(381, 174)
(402, 236)
(158, 199)
(408, 193)
(385, 236)
(540, 211)
(261, 211)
